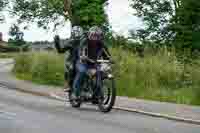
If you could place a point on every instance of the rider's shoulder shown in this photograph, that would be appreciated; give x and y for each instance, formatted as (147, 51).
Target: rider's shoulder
(83, 38)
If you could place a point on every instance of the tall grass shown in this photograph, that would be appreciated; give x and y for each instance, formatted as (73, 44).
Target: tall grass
(156, 76)
(40, 67)
(8, 55)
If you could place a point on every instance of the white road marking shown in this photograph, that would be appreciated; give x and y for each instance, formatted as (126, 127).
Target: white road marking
(66, 101)
(7, 115)
(57, 97)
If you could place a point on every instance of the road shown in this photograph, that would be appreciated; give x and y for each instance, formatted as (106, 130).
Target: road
(25, 113)
(4, 67)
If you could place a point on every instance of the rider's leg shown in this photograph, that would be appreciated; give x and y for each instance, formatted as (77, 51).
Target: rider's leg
(66, 83)
(81, 71)
(67, 69)
(98, 91)
(72, 75)
(70, 78)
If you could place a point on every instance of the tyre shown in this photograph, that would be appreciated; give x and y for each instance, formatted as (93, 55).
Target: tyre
(74, 103)
(107, 102)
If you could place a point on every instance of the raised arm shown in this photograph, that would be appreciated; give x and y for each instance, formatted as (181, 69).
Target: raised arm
(67, 8)
(57, 44)
(66, 46)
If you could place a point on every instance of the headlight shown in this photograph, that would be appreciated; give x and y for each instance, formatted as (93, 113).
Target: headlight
(110, 76)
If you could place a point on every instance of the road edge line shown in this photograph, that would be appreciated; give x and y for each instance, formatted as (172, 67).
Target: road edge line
(158, 115)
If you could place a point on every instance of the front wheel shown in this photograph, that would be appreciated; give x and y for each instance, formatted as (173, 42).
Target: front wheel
(107, 102)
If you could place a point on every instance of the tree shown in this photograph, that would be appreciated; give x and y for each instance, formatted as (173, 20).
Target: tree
(17, 36)
(188, 25)
(3, 3)
(169, 22)
(79, 12)
(156, 15)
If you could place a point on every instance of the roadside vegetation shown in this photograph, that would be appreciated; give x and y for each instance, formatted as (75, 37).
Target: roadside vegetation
(157, 76)
(8, 55)
(40, 67)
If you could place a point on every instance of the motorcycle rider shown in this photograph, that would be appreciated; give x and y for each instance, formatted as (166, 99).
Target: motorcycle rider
(90, 49)
(71, 51)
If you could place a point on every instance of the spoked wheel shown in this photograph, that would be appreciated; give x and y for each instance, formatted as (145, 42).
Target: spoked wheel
(107, 102)
(74, 102)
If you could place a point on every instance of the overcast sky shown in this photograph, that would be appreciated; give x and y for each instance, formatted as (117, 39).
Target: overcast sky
(120, 17)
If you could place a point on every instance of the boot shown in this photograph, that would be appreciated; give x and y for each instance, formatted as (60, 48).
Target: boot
(66, 87)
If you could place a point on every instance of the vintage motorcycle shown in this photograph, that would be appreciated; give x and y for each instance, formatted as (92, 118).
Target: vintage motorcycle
(98, 87)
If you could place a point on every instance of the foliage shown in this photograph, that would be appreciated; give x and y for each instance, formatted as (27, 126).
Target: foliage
(8, 55)
(186, 24)
(3, 3)
(156, 16)
(80, 12)
(156, 76)
(44, 68)
(17, 36)
(130, 45)
(174, 22)
(13, 48)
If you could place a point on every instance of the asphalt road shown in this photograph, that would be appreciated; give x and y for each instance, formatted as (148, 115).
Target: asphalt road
(24, 113)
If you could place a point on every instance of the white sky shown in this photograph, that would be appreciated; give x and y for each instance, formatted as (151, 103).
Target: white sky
(120, 17)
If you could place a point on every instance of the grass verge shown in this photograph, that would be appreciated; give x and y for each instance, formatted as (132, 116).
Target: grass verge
(43, 68)
(8, 55)
(156, 77)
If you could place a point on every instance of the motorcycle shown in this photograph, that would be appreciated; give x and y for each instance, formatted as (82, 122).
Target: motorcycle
(98, 87)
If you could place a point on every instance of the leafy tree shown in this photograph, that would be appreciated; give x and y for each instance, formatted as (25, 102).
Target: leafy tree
(188, 30)
(174, 22)
(79, 12)
(17, 36)
(156, 15)
(3, 3)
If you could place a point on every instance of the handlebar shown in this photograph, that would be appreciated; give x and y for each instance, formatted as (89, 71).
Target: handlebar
(97, 61)
(103, 61)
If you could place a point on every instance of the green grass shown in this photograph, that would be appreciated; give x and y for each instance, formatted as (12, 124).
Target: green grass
(44, 68)
(8, 55)
(157, 77)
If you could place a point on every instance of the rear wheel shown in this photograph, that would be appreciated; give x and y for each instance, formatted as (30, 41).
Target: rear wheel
(74, 102)
(107, 102)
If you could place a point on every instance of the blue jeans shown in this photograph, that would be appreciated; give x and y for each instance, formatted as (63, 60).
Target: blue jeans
(81, 70)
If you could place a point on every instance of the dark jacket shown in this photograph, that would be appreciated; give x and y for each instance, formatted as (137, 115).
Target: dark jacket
(70, 46)
(93, 49)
